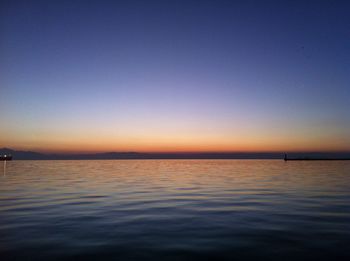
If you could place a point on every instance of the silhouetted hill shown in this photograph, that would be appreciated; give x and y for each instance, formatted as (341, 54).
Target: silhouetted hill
(31, 155)
(27, 155)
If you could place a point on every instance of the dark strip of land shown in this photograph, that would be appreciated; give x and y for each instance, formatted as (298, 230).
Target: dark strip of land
(31, 155)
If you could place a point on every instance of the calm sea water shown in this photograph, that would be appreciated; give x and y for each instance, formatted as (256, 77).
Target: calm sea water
(175, 210)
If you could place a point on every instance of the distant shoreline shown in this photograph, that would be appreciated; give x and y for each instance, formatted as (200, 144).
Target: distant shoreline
(31, 155)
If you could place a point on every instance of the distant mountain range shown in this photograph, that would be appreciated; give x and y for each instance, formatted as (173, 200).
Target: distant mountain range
(31, 155)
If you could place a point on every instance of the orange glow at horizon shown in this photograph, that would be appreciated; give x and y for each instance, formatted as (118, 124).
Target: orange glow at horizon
(175, 144)
(175, 135)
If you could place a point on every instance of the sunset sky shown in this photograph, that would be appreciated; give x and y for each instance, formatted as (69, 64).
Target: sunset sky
(92, 76)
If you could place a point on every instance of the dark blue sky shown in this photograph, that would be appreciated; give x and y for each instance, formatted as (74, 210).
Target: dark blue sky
(175, 75)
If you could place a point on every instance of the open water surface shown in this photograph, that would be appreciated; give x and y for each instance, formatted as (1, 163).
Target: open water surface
(175, 210)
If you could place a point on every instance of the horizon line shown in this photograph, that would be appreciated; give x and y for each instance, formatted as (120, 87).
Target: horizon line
(175, 152)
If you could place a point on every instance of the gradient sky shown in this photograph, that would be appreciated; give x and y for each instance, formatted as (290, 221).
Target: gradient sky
(175, 75)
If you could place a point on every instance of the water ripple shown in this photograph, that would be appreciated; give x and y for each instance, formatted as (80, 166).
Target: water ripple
(175, 210)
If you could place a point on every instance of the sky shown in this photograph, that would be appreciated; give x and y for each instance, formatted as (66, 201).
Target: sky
(173, 76)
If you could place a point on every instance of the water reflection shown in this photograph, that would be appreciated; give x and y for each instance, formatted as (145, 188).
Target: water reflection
(175, 209)
(4, 168)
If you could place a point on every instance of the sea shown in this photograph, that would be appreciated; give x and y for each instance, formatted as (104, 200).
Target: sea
(174, 210)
